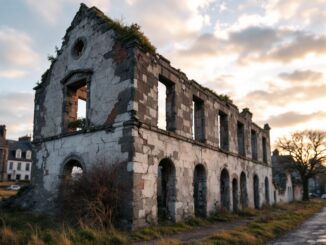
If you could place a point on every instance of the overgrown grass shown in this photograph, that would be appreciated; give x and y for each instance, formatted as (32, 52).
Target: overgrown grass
(271, 223)
(7, 193)
(21, 227)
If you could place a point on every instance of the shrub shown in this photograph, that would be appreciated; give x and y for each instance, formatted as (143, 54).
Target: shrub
(93, 198)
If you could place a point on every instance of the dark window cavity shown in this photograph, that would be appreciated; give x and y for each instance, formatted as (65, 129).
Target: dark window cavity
(241, 139)
(78, 48)
(243, 191)
(198, 119)
(256, 192)
(200, 190)
(254, 154)
(267, 191)
(225, 189)
(223, 131)
(166, 191)
(264, 150)
(235, 196)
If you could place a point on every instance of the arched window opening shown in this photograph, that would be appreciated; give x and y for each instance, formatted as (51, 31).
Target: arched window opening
(256, 191)
(235, 198)
(243, 191)
(166, 191)
(267, 191)
(225, 189)
(200, 190)
(72, 170)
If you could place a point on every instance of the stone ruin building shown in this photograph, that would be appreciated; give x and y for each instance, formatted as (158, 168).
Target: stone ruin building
(208, 157)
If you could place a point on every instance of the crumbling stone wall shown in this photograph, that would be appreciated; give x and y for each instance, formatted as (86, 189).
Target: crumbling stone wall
(186, 150)
(106, 137)
(121, 126)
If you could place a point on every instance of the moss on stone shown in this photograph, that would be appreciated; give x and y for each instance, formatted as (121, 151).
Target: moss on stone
(127, 33)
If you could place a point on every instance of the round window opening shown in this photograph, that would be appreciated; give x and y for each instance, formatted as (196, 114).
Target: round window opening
(78, 48)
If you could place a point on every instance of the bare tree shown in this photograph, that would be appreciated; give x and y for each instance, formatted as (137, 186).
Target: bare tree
(308, 151)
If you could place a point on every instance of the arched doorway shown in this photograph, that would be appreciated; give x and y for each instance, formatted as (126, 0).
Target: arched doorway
(72, 169)
(200, 190)
(225, 189)
(243, 191)
(166, 191)
(235, 198)
(256, 191)
(267, 191)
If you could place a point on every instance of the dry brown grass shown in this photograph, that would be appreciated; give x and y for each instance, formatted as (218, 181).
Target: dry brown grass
(270, 225)
(7, 183)
(7, 193)
(18, 227)
(8, 237)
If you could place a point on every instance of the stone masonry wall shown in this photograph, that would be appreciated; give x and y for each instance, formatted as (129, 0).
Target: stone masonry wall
(121, 126)
(185, 154)
(107, 66)
(177, 143)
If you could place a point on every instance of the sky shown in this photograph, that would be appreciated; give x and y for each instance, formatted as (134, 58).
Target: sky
(268, 55)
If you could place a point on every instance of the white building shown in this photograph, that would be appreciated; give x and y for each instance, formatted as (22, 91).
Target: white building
(19, 163)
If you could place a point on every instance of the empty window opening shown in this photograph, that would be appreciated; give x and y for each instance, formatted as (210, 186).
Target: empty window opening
(256, 192)
(264, 150)
(223, 131)
(225, 189)
(78, 48)
(76, 106)
(166, 192)
(243, 191)
(241, 139)
(198, 119)
(200, 190)
(72, 170)
(166, 105)
(235, 197)
(254, 145)
(267, 191)
(161, 106)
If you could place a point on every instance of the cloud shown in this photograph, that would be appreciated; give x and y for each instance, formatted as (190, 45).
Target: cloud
(300, 11)
(282, 97)
(16, 110)
(16, 53)
(174, 20)
(51, 10)
(205, 45)
(258, 44)
(298, 48)
(254, 38)
(291, 118)
(301, 76)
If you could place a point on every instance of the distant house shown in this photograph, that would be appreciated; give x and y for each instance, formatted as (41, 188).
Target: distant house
(15, 157)
(19, 162)
(285, 179)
